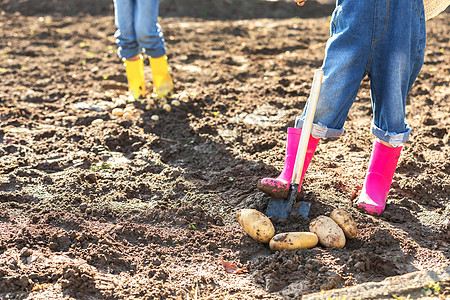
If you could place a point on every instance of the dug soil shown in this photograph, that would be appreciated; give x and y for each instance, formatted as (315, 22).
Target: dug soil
(99, 206)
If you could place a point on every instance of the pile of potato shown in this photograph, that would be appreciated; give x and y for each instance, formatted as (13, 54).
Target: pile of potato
(330, 232)
(127, 113)
(151, 104)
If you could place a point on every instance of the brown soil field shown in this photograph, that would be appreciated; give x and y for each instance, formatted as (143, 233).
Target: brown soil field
(95, 206)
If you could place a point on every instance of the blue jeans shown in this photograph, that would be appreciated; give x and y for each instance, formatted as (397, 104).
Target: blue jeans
(384, 40)
(138, 30)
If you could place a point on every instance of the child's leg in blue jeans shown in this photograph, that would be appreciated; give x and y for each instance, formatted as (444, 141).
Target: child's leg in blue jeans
(397, 58)
(137, 31)
(128, 46)
(138, 28)
(356, 48)
(150, 38)
(346, 57)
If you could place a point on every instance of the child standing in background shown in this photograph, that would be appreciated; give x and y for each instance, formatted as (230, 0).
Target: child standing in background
(384, 40)
(138, 32)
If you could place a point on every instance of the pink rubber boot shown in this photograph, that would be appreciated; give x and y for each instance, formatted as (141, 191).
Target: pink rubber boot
(279, 187)
(382, 165)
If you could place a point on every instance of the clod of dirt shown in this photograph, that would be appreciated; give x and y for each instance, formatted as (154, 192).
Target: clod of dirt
(445, 231)
(24, 281)
(25, 252)
(79, 280)
(91, 177)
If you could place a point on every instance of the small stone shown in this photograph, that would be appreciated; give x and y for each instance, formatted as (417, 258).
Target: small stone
(25, 252)
(156, 262)
(155, 117)
(212, 246)
(360, 266)
(83, 207)
(48, 179)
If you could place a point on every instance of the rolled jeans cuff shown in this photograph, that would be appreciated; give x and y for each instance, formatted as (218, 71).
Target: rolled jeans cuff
(154, 53)
(127, 53)
(319, 130)
(392, 138)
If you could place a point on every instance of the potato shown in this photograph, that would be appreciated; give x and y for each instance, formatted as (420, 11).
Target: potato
(329, 233)
(256, 224)
(127, 116)
(150, 107)
(167, 107)
(345, 221)
(96, 121)
(117, 112)
(293, 240)
(128, 110)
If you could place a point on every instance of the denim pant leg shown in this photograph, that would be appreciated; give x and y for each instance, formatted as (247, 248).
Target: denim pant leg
(346, 56)
(398, 56)
(138, 28)
(148, 31)
(124, 14)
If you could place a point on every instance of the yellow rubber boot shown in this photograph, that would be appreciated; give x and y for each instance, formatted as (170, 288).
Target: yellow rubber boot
(136, 78)
(162, 82)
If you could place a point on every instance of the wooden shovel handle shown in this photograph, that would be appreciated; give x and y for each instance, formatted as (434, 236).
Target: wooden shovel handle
(307, 126)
